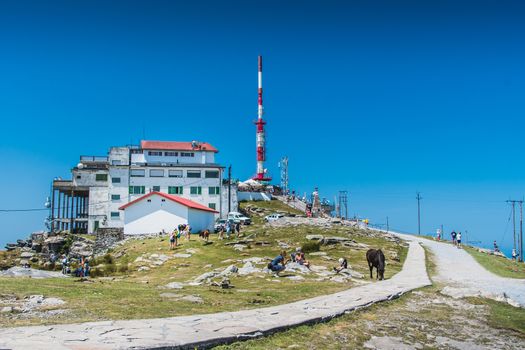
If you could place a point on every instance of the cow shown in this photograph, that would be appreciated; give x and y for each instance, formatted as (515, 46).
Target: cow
(376, 258)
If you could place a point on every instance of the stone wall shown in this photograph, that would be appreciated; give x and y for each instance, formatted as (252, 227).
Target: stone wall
(107, 237)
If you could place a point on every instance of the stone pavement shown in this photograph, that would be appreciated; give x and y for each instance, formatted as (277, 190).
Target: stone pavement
(212, 329)
(466, 277)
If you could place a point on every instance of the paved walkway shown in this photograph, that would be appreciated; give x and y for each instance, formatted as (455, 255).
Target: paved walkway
(206, 330)
(458, 269)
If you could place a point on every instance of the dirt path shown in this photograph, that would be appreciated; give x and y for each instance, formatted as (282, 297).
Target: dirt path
(464, 276)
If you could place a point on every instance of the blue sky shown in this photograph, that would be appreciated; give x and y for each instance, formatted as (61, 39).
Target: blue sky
(379, 98)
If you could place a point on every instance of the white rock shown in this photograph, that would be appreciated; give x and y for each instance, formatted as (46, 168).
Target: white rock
(182, 255)
(143, 268)
(295, 278)
(247, 269)
(318, 253)
(295, 267)
(239, 247)
(174, 285)
(229, 270)
(193, 298)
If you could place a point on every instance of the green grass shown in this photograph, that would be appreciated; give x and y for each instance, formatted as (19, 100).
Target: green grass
(133, 294)
(498, 265)
(503, 315)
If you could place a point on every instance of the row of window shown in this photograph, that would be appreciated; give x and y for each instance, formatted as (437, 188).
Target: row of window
(115, 215)
(208, 174)
(214, 190)
(171, 154)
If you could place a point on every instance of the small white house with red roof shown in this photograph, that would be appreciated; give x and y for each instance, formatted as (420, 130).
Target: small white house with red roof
(158, 211)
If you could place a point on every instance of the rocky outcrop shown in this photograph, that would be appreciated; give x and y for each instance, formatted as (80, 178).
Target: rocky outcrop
(106, 238)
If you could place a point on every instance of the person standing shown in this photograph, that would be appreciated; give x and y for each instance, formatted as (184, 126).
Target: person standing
(188, 232)
(458, 240)
(173, 243)
(496, 248)
(453, 235)
(514, 254)
(238, 229)
(64, 265)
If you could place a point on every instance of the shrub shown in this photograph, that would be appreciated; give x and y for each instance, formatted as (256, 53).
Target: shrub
(108, 259)
(123, 268)
(312, 246)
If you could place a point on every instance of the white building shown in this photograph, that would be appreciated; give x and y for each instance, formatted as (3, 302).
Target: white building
(101, 185)
(156, 212)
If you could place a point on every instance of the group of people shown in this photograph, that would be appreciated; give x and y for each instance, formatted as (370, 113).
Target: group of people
(456, 238)
(230, 228)
(182, 230)
(82, 269)
(278, 264)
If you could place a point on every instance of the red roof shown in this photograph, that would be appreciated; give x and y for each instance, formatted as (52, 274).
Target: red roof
(177, 146)
(186, 202)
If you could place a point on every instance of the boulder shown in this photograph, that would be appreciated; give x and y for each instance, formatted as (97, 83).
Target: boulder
(80, 249)
(239, 247)
(174, 285)
(26, 255)
(335, 240)
(229, 270)
(314, 237)
(193, 298)
(295, 267)
(247, 269)
(182, 255)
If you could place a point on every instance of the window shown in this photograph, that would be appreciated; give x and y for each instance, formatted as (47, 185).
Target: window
(211, 206)
(115, 180)
(194, 173)
(195, 190)
(175, 189)
(156, 188)
(137, 189)
(138, 173)
(213, 190)
(154, 153)
(115, 215)
(156, 173)
(101, 177)
(115, 197)
(212, 174)
(116, 162)
(187, 154)
(175, 173)
(171, 154)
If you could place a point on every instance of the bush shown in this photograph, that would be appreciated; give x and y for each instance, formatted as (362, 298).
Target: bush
(312, 246)
(108, 259)
(123, 268)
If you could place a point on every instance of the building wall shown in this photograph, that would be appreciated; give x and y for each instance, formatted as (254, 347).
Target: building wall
(224, 200)
(200, 220)
(156, 213)
(98, 202)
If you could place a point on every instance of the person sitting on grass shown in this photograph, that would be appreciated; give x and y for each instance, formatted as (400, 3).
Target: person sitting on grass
(301, 260)
(343, 264)
(279, 263)
(294, 255)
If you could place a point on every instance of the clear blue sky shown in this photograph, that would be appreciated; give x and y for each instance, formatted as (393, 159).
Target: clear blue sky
(377, 98)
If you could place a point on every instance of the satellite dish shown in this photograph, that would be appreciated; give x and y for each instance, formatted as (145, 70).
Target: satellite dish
(48, 203)
(80, 166)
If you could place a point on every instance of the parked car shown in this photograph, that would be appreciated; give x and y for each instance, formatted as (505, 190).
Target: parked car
(238, 217)
(273, 217)
(218, 224)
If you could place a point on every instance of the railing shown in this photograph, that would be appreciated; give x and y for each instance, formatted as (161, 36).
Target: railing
(94, 159)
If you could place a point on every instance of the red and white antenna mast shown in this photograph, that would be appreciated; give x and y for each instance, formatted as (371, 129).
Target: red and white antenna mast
(260, 135)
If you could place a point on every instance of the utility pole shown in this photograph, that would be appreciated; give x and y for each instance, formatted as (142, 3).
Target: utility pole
(521, 231)
(229, 189)
(419, 198)
(513, 202)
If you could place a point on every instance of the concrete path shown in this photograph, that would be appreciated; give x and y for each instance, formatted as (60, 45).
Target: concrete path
(466, 277)
(211, 329)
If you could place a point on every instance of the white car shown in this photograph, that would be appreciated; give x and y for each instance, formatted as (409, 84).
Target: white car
(273, 217)
(238, 217)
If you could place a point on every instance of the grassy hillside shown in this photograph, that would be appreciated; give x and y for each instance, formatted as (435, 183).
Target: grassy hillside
(498, 265)
(136, 287)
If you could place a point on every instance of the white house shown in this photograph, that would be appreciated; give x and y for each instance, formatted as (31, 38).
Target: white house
(157, 211)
